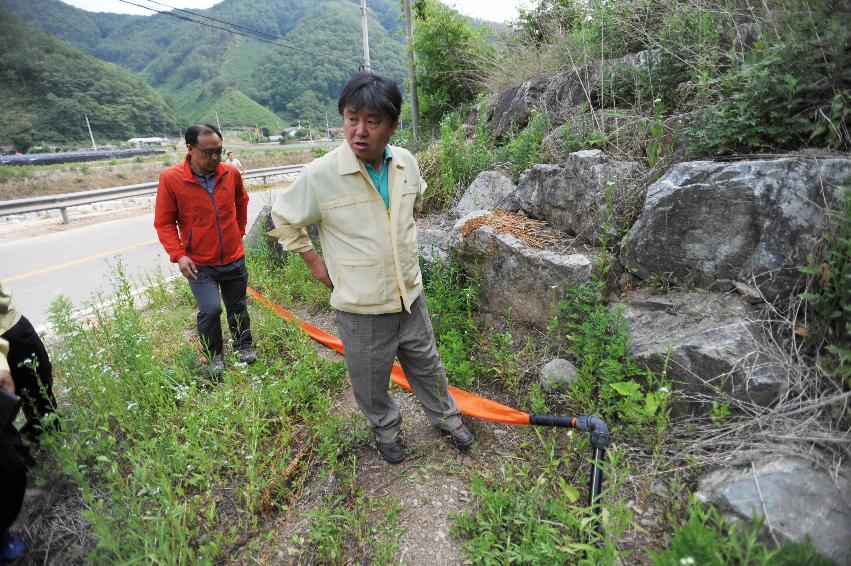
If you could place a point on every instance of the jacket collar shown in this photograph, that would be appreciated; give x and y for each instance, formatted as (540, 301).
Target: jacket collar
(190, 176)
(348, 162)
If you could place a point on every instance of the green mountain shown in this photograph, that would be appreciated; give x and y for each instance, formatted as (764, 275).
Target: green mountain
(47, 88)
(200, 70)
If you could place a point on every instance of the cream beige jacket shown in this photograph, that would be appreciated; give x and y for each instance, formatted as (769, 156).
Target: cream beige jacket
(371, 252)
(4, 351)
(9, 317)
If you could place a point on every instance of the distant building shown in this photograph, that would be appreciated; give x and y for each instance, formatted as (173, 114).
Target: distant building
(274, 138)
(291, 131)
(148, 142)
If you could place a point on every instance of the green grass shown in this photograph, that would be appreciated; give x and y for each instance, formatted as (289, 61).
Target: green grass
(173, 467)
(704, 538)
(529, 511)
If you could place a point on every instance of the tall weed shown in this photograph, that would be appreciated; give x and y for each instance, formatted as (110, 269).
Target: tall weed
(175, 468)
(610, 382)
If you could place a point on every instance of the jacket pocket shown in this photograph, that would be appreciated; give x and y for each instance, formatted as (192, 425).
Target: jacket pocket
(359, 281)
(349, 215)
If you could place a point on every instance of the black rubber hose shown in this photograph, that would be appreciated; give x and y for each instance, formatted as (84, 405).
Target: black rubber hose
(600, 440)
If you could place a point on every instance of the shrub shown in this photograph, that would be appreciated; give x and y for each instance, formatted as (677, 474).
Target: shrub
(790, 91)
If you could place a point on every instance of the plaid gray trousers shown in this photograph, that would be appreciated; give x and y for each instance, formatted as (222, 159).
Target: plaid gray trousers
(372, 342)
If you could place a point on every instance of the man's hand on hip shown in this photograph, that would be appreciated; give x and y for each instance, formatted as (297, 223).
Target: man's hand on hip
(317, 267)
(6, 381)
(187, 268)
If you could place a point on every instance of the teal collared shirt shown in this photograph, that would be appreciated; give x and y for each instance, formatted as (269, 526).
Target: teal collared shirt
(381, 179)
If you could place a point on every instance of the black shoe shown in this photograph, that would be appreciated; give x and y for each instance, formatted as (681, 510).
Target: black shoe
(247, 355)
(391, 451)
(461, 436)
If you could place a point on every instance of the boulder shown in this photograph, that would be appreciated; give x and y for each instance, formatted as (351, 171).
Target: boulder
(625, 133)
(557, 373)
(558, 96)
(258, 240)
(514, 277)
(490, 190)
(799, 499)
(433, 247)
(752, 221)
(707, 341)
(572, 197)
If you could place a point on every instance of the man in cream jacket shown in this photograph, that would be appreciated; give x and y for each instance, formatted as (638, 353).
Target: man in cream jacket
(362, 198)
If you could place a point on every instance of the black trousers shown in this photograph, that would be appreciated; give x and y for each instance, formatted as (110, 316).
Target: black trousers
(13, 482)
(31, 372)
(224, 283)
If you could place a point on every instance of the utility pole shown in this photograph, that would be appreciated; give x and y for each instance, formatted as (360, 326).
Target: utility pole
(217, 121)
(327, 127)
(412, 75)
(94, 145)
(366, 65)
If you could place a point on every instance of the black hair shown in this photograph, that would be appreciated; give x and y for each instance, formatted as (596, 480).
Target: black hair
(376, 92)
(192, 132)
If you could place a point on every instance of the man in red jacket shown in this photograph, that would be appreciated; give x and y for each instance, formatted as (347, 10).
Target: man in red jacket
(200, 218)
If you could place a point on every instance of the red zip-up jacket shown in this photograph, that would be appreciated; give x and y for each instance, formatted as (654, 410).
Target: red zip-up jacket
(189, 221)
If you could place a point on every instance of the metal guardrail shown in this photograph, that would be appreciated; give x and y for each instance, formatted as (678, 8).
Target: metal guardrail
(65, 200)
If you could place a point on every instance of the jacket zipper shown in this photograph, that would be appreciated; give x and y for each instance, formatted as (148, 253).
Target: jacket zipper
(218, 224)
(216, 210)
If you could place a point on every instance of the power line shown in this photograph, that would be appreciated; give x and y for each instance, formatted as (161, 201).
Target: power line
(275, 40)
(259, 32)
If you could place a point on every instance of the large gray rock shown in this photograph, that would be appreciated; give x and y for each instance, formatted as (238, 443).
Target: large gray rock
(625, 133)
(708, 341)
(257, 239)
(800, 500)
(704, 221)
(572, 197)
(514, 277)
(490, 190)
(558, 96)
(433, 247)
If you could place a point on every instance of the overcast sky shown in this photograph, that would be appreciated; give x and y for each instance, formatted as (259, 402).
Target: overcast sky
(494, 10)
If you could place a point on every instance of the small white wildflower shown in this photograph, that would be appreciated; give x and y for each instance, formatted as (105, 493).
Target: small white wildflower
(664, 390)
(657, 101)
(589, 18)
(687, 560)
(132, 405)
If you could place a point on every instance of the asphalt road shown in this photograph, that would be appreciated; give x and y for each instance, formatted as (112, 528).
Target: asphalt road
(81, 263)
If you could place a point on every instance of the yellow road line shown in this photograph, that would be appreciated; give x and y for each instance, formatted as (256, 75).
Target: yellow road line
(75, 262)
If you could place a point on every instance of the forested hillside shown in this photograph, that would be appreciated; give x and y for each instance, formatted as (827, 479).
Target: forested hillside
(201, 70)
(48, 87)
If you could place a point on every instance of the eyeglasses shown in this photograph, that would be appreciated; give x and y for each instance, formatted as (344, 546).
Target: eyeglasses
(211, 153)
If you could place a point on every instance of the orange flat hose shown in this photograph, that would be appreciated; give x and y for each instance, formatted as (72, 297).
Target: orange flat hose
(468, 403)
